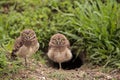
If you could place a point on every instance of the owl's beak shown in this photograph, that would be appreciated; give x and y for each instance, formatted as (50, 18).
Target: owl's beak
(58, 42)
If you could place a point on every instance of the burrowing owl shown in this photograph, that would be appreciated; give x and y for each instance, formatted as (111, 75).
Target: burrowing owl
(59, 49)
(25, 45)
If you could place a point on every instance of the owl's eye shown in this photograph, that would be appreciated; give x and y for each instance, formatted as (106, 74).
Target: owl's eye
(23, 34)
(63, 39)
(54, 39)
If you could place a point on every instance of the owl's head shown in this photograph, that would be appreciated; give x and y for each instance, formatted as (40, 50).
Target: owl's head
(28, 35)
(58, 40)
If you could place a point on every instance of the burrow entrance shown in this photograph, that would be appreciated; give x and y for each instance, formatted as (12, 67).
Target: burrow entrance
(75, 62)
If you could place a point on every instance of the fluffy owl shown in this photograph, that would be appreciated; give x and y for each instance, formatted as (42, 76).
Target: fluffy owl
(25, 45)
(59, 49)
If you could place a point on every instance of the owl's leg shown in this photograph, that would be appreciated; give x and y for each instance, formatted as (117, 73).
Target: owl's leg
(25, 61)
(60, 66)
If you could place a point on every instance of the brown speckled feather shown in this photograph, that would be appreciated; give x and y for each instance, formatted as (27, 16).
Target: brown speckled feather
(17, 45)
(25, 45)
(59, 49)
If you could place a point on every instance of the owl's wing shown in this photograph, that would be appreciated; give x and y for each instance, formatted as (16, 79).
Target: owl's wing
(50, 45)
(35, 45)
(17, 45)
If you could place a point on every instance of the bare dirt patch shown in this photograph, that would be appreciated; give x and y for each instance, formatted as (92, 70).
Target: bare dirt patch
(38, 71)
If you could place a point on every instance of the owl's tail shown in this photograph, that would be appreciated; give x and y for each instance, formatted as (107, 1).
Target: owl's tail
(13, 55)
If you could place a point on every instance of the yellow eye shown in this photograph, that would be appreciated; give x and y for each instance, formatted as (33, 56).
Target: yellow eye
(63, 39)
(23, 34)
(30, 34)
(54, 39)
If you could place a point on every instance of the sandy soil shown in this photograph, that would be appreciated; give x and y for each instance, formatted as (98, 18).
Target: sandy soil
(38, 71)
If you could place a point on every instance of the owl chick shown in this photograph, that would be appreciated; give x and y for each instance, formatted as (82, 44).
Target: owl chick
(25, 45)
(59, 49)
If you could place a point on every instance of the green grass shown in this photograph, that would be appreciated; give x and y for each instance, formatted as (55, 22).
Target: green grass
(90, 25)
(7, 67)
(58, 75)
